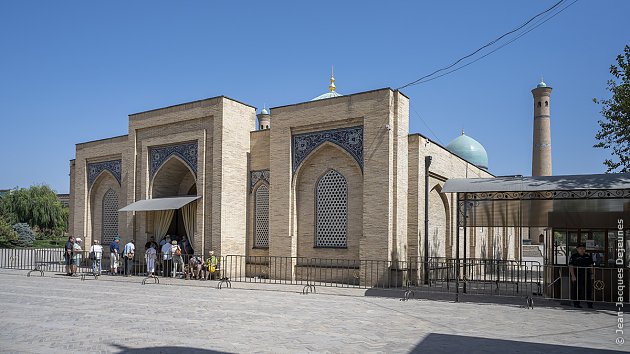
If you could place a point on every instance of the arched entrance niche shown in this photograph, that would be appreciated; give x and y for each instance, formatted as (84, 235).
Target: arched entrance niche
(329, 191)
(440, 242)
(104, 203)
(174, 178)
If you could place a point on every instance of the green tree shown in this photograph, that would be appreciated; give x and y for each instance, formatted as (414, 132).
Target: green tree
(8, 235)
(614, 132)
(38, 206)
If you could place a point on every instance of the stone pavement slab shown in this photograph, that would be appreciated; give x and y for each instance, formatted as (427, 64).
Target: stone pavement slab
(119, 315)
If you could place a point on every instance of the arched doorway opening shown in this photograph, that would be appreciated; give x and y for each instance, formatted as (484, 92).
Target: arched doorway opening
(174, 179)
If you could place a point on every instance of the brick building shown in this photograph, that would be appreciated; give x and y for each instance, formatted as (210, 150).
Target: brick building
(335, 177)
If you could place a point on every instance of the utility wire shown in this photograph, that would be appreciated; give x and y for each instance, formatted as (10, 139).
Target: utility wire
(485, 46)
(425, 123)
(533, 27)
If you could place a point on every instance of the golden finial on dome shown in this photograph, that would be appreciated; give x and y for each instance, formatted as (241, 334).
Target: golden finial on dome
(332, 86)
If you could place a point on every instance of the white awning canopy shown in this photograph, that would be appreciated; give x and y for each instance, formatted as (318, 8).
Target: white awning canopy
(160, 204)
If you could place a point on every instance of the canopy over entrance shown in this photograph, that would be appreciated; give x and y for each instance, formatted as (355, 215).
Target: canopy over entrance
(549, 201)
(160, 204)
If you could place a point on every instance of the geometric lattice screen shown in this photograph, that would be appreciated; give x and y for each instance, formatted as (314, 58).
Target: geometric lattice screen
(261, 239)
(110, 217)
(332, 210)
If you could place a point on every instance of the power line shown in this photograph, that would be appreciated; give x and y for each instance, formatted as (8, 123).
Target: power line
(486, 45)
(536, 25)
(425, 123)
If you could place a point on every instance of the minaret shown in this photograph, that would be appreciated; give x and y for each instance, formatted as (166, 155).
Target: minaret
(263, 119)
(541, 153)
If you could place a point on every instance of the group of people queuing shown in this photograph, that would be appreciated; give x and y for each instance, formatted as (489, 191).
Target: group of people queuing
(73, 253)
(176, 255)
(170, 258)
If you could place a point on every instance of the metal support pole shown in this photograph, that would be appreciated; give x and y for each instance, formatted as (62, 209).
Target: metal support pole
(465, 236)
(457, 252)
(427, 163)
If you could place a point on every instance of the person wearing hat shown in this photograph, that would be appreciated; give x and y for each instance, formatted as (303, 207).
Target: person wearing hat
(76, 250)
(96, 254)
(580, 269)
(211, 265)
(176, 252)
(114, 255)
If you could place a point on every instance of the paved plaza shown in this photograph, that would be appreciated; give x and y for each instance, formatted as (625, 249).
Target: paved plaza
(55, 314)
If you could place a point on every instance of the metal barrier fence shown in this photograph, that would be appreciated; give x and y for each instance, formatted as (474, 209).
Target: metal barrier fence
(588, 284)
(414, 275)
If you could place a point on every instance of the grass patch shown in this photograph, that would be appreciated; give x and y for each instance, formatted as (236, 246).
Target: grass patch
(50, 243)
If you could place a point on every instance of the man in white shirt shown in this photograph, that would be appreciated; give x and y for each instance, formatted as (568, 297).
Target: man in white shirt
(96, 254)
(167, 257)
(128, 254)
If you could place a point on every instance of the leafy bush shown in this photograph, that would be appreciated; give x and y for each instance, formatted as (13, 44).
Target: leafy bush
(7, 234)
(26, 236)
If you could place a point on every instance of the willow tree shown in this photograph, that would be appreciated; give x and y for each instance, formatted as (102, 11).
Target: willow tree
(38, 206)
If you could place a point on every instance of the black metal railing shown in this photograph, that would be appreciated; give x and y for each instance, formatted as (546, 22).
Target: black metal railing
(437, 274)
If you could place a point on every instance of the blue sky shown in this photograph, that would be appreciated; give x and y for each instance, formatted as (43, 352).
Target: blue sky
(71, 71)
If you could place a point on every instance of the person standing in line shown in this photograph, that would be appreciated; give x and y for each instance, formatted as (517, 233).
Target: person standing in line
(176, 251)
(96, 253)
(68, 255)
(150, 257)
(114, 256)
(76, 256)
(167, 257)
(128, 254)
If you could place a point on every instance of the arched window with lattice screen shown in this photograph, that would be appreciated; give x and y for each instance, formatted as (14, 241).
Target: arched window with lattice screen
(261, 217)
(332, 211)
(110, 217)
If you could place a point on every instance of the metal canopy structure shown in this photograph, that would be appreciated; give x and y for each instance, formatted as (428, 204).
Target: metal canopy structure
(574, 204)
(549, 201)
(160, 204)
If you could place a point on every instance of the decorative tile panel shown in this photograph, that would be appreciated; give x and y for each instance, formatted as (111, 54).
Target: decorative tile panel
(95, 169)
(350, 139)
(187, 152)
(255, 176)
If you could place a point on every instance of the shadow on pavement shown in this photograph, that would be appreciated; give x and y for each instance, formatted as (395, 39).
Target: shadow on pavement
(447, 343)
(164, 350)
(519, 301)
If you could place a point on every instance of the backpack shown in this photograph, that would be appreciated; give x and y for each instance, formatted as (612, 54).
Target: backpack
(178, 251)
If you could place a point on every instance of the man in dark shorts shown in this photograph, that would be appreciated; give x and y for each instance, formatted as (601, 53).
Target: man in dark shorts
(580, 269)
(69, 254)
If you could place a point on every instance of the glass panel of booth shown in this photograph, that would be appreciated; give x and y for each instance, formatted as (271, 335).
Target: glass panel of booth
(602, 244)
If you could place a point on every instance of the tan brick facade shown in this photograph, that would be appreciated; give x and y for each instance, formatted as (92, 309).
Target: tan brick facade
(384, 177)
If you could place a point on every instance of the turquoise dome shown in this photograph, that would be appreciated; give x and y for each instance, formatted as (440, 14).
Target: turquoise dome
(470, 150)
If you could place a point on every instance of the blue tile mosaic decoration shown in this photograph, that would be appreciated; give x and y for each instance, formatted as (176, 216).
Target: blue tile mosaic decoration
(95, 169)
(350, 139)
(255, 176)
(187, 152)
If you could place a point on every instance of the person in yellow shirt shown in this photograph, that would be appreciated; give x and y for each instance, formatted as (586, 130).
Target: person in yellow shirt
(212, 264)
